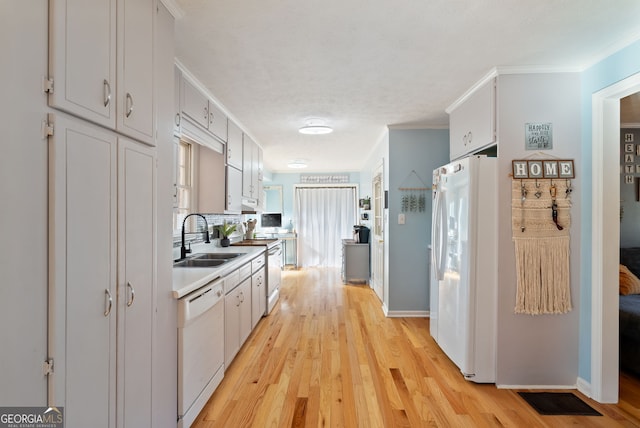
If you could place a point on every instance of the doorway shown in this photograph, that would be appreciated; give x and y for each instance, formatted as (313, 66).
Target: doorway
(606, 237)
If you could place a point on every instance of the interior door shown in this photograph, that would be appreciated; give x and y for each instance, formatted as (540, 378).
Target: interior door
(377, 243)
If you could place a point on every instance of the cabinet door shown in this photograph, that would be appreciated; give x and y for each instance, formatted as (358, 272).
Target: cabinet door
(82, 58)
(211, 172)
(217, 122)
(195, 104)
(244, 290)
(231, 326)
(234, 189)
(137, 281)
(260, 165)
(135, 69)
(234, 146)
(472, 123)
(248, 166)
(82, 254)
(177, 79)
(258, 297)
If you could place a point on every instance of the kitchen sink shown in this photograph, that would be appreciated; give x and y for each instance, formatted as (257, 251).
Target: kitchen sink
(191, 262)
(215, 256)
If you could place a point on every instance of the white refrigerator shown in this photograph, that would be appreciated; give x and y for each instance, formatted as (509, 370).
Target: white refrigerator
(464, 265)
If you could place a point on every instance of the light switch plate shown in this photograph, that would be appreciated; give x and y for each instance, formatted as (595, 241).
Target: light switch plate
(401, 218)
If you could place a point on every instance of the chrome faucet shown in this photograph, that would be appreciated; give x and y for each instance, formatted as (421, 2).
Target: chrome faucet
(183, 250)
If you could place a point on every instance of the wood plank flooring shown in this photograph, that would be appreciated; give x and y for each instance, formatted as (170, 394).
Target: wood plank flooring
(327, 356)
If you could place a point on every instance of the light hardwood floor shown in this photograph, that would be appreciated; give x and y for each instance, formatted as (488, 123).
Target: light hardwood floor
(327, 356)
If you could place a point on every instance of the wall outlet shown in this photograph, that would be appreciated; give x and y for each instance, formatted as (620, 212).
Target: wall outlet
(401, 218)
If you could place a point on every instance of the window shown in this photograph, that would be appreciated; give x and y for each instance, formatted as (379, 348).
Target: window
(184, 185)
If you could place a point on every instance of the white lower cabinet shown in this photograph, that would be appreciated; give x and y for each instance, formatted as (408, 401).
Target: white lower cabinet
(237, 318)
(258, 291)
(102, 290)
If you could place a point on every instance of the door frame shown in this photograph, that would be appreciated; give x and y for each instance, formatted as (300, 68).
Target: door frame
(377, 240)
(605, 205)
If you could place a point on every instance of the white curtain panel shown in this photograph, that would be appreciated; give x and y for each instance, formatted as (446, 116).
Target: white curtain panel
(325, 216)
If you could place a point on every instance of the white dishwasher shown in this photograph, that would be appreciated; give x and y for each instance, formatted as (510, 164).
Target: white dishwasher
(200, 349)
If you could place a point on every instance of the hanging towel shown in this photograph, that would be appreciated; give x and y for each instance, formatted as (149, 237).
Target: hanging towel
(542, 250)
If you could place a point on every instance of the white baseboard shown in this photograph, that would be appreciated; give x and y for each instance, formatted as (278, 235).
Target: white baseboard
(584, 387)
(536, 386)
(405, 314)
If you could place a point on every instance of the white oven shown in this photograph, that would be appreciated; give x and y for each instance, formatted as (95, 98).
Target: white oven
(274, 266)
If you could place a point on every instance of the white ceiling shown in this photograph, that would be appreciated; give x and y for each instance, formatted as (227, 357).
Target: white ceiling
(363, 65)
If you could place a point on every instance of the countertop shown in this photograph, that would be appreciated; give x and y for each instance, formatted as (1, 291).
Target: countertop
(265, 242)
(186, 280)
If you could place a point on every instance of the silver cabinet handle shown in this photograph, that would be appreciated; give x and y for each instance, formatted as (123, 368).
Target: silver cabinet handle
(132, 294)
(238, 297)
(106, 92)
(242, 294)
(210, 117)
(129, 104)
(108, 302)
(206, 113)
(177, 119)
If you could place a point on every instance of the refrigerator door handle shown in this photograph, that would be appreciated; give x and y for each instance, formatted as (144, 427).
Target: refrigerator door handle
(439, 229)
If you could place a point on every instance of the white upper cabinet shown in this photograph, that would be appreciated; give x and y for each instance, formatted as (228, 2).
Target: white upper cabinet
(217, 122)
(82, 58)
(234, 190)
(135, 69)
(195, 104)
(177, 119)
(197, 107)
(101, 63)
(251, 170)
(473, 122)
(234, 146)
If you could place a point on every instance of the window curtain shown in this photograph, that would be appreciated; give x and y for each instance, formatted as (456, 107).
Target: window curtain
(324, 216)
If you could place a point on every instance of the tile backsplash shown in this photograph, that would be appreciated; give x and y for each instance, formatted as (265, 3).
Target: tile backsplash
(213, 220)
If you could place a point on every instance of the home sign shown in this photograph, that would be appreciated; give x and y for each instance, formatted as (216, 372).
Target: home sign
(547, 168)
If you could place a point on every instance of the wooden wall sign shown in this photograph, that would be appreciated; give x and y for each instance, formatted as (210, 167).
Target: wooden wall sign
(547, 168)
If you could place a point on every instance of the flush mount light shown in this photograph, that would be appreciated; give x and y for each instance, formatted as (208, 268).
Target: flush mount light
(315, 129)
(297, 164)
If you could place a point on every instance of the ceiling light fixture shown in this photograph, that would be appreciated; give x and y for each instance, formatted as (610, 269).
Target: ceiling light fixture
(297, 164)
(315, 129)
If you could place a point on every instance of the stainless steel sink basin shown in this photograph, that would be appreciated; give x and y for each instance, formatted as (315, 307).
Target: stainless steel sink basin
(191, 262)
(215, 256)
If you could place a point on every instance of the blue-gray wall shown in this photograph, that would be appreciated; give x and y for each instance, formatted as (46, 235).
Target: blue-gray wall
(614, 68)
(419, 150)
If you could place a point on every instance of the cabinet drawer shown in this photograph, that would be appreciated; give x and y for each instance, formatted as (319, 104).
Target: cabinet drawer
(231, 281)
(257, 263)
(245, 271)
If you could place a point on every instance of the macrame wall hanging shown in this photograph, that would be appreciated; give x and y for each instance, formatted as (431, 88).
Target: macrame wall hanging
(414, 193)
(541, 222)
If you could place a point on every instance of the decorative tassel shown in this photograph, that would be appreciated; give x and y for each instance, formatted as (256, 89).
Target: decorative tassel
(542, 250)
